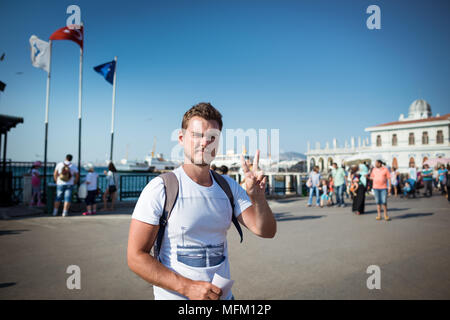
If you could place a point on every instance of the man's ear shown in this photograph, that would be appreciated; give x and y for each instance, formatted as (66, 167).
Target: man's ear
(181, 136)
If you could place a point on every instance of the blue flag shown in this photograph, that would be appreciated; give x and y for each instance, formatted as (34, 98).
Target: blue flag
(107, 70)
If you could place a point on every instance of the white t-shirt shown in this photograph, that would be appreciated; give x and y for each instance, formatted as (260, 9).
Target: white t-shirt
(412, 173)
(73, 171)
(111, 178)
(201, 217)
(91, 177)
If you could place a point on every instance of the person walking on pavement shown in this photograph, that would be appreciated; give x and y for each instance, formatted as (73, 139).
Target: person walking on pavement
(111, 187)
(380, 177)
(92, 182)
(314, 184)
(193, 245)
(66, 176)
(394, 180)
(339, 184)
(427, 176)
(442, 179)
(35, 184)
(360, 184)
(448, 181)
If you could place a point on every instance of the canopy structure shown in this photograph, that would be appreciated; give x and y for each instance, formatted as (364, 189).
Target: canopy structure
(6, 123)
(357, 159)
(361, 158)
(437, 161)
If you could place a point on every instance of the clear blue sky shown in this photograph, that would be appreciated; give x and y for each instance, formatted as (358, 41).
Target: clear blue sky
(309, 68)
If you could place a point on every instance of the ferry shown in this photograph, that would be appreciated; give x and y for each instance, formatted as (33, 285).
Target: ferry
(149, 164)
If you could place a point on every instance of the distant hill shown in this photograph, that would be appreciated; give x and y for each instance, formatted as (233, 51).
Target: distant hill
(291, 155)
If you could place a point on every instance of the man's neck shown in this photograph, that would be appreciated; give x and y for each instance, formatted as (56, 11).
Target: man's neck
(199, 174)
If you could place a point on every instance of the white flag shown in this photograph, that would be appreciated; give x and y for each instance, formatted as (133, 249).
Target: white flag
(40, 53)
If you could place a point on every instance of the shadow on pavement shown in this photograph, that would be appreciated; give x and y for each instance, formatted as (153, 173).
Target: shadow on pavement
(285, 200)
(389, 210)
(7, 284)
(412, 215)
(8, 232)
(23, 212)
(285, 216)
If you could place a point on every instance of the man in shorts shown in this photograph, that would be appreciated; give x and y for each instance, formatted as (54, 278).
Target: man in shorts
(194, 246)
(381, 178)
(66, 176)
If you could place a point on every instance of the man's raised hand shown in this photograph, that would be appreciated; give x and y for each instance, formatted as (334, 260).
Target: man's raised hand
(255, 181)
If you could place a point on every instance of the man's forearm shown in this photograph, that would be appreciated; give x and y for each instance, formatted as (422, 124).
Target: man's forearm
(154, 272)
(265, 221)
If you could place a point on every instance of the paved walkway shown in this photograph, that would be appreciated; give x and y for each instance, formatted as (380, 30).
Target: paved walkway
(318, 253)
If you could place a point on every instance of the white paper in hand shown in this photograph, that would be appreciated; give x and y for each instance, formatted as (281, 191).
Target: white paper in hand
(224, 284)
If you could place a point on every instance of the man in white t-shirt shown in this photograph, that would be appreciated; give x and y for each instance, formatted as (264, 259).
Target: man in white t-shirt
(194, 246)
(412, 171)
(65, 175)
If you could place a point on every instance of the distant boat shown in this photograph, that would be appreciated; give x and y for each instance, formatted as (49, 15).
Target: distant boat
(149, 164)
(132, 166)
(232, 160)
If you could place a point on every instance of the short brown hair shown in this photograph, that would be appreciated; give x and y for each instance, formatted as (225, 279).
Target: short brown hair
(203, 110)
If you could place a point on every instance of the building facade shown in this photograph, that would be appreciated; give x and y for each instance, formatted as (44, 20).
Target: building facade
(412, 139)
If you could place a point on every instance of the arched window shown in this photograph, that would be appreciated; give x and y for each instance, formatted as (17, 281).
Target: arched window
(411, 139)
(378, 141)
(321, 164)
(394, 139)
(312, 164)
(440, 137)
(425, 137)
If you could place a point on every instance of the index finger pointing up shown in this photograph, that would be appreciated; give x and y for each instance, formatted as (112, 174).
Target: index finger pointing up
(244, 165)
(256, 161)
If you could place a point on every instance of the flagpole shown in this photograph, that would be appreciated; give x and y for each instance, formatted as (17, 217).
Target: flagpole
(113, 108)
(79, 112)
(47, 100)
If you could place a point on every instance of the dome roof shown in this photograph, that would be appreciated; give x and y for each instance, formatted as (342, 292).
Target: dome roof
(419, 109)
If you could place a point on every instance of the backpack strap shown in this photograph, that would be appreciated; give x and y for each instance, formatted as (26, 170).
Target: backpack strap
(226, 188)
(171, 189)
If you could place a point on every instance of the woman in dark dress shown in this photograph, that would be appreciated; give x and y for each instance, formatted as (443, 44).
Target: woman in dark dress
(358, 192)
(359, 198)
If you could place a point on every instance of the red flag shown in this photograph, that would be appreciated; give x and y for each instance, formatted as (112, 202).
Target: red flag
(72, 32)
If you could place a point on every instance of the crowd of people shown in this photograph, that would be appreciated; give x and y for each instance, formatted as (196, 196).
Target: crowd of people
(357, 181)
(331, 189)
(66, 176)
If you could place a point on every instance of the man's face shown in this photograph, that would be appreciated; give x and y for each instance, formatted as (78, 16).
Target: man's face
(200, 141)
(378, 164)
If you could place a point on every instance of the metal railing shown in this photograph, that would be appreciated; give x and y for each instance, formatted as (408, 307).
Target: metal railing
(131, 185)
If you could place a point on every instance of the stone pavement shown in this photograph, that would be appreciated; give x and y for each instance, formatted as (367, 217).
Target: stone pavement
(318, 253)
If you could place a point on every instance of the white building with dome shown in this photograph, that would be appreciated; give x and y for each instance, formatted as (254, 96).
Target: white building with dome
(412, 139)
